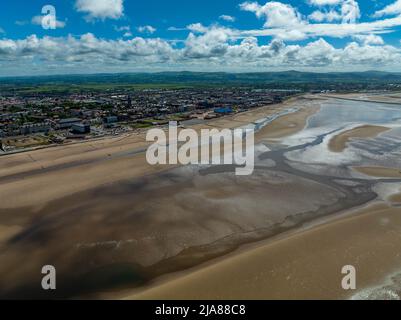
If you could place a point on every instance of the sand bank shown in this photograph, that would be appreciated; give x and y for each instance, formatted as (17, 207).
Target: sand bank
(339, 142)
(288, 124)
(306, 265)
(396, 198)
(380, 172)
(385, 98)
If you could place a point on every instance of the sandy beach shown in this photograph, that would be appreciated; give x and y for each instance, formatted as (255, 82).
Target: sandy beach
(305, 265)
(115, 227)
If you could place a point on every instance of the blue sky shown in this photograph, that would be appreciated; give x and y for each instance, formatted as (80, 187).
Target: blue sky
(209, 35)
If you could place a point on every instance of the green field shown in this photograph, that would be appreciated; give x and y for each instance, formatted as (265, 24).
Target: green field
(288, 80)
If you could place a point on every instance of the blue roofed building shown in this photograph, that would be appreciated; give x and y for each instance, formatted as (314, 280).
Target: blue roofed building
(223, 110)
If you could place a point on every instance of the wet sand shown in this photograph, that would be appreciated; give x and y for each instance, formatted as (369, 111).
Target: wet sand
(7, 232)
(305, 265)
(339, 142)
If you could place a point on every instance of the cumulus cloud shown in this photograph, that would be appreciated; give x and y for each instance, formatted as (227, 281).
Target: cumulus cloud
(286, 22)
(101, 9)
(86, 48)
(146, 29)
(277, 14)
(329, 16)
(277, 55)
(391, 9)
(370, 39)
(339, 20)
(213, 43)
(218, 49)
(197, 27)
(227, 18)
(347, 11)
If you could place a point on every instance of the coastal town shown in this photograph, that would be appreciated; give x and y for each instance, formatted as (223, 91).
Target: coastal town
(32, 120)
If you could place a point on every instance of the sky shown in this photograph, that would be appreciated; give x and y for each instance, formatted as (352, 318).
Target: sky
(107, 36)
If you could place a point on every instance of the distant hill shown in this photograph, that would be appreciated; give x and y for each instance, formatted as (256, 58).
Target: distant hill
(294, 77)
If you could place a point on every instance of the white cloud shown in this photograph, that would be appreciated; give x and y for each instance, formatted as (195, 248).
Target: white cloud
(86, 48)
(329, 16)
(125, 29)
(289, 24)
(197, 27)
(37, 20)
(370, 39)
(227, 18)
(318, 53)
(277, 14)
(213, 43)
(350, 11)
(392, 9)
(324, 2)
(101, 9)
(146, 29)
(347, 11)
(286, 18)
(176, 29)
(376, 56)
